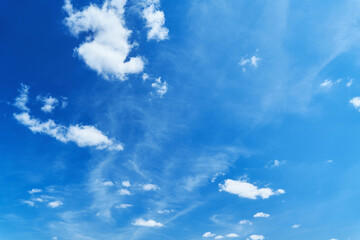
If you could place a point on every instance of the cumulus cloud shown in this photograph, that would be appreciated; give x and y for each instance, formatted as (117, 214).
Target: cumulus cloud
(124, 192)
(147, 223)
(55, 204)
(155, 21)
(160, 87)
(35, 190)
(23, 98)
(232, 235)
(149, 187)
(295, 226)
(326, 83)
(126, 183)
(29, 203)
(208, 234)
(245, 221)
(261, 215)
(256, 237)
(355, 101)
(108, 183)
(107, 46)
(247, 190)
(49, 103)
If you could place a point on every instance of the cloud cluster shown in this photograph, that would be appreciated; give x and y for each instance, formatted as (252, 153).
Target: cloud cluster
(106, 48)
(247, 190)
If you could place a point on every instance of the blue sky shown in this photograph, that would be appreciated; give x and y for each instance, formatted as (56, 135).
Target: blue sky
(179, 120)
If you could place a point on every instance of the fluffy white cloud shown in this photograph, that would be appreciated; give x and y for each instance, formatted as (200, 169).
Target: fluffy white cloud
(147, 223)
(82, 135)
(355, 101)
(55, 204)
(261, 215)
(160, 87)
(49, 103)
(107, 46)
(208, 234)
(149, 187)
(155, 21)
(126, 183)
(35, 190)
(245, 221)
(124, 192)
(232, 235)
(256, 237)
(108, 183)
(247, 190)
(23, 98)
(124, 205)
(252, 61)
(295, 226)
(326, 83)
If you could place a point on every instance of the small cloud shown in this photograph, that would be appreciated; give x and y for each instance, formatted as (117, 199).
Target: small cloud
(145, 76)
(219, 237)
(295, 226)
(256, 237)
(252, 61)
(35, 190)
(326, 84)
(55, 204)
(155, 22)
(208, 234)
(23, 98)
(126, 183)
(232, 235)
(275, 163)
(165, 211)
(355, 101)
(124, 205)
(329, 161)
(29, 203)
(160, 87)
(124, 192)
(147, 223)
(49, 103)
(108, 183)
(245, 221)
(149, 187)
(261, 215)
(350, 82)
(217, 175)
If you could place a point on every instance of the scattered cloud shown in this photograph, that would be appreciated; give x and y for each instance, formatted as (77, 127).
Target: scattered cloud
(147, 223)
(327, 83)
(355, 101)
(35, 190)
(261, 215)
(275, 163)
(55, 204)
(107, 47)
(149, 187)
(329, 161)
(247, 190)
(30, 203)
(49, 103)
(232, 235)
(108, 183)
(126, 183)
(350, 82)
(245, 221)
(155, 21)
(256, 237)
(124, 205)
(160, 87)
(165, 211)
(124, 192)
(219, 237)
(252, 61)
(208, 234)
(295, 226)
(217, 175)
(23, 98)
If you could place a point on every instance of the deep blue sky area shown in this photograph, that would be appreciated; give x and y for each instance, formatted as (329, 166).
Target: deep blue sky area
(158, 119)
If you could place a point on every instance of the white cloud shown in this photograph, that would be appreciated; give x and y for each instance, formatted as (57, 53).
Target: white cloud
(261, 215)
(216, 176)
(55, 204)
(219, 237)
(124, 205)
(256, 237)
(253, 61)
(247, 190)
(160, 87)
(326, 84)
(295, 226)
(108, 183)
(82, 135)
(232, 235)
(30, 203)
(208, 234)
(107, 46)
(124, 192)
(334, 239)
(23, 98)
(355, 101)
(350, 82)
(155, 21)
(329, 161)
(35, 190)
(49, 103)
(147, 223)
(126, 183)
(245, 221)
(149, 187)
(165, 211)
